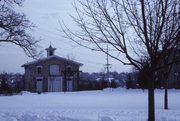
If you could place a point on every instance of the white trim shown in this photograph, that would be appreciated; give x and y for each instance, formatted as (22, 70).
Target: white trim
(39, 66)
(39, 77)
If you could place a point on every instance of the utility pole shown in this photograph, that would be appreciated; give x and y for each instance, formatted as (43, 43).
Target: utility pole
(107, 66)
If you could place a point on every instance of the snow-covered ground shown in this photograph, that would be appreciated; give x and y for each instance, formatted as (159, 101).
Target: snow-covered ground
(106, 105)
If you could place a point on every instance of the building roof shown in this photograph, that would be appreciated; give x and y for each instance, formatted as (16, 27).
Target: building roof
(51, 57)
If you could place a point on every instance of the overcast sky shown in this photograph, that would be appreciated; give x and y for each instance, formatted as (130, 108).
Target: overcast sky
(46, 15)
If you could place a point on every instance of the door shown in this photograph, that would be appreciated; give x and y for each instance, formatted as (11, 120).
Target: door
(55, 84)
(69, 85)
(39, 85)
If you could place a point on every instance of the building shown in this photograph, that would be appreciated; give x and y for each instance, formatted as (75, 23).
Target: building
(172, 70)
(51, 74)
(174, 76)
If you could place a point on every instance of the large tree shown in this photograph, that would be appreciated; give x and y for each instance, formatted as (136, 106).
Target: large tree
(15, 27)
(140, 30)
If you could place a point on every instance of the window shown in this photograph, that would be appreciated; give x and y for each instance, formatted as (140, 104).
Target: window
(54, 69)
(50, 53)
(39, 69)
(176, 74)
(69, 68)
(177, 54)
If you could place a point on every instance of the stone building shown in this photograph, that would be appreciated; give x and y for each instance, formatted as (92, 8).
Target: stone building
(51, 74)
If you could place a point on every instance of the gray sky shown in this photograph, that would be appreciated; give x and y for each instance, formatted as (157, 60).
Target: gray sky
(46, 15)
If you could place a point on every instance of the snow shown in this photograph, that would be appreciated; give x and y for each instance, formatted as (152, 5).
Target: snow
(107, 105)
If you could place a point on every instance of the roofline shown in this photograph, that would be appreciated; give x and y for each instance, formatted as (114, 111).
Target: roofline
(50, 57)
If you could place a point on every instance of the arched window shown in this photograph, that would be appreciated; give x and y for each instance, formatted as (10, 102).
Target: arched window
(69, 68)
(39, 69)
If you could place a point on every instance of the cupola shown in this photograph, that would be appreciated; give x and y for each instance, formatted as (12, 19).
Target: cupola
(50, 51)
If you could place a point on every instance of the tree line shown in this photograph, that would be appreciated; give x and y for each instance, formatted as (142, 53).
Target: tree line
(11, 83)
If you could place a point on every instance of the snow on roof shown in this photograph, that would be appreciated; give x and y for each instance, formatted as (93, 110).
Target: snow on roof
(50, 57)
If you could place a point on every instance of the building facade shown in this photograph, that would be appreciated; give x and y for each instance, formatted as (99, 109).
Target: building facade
(51, 74)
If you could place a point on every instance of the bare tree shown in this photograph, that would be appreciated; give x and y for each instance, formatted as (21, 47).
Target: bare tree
(170, 56)
(70, 57)
(140, 31)
(15, 28)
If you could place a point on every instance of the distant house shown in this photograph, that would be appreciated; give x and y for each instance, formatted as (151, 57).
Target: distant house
(51, 74)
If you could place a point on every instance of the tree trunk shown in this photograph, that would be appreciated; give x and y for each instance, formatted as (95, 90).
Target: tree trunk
(166, 96)
(151, 105)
